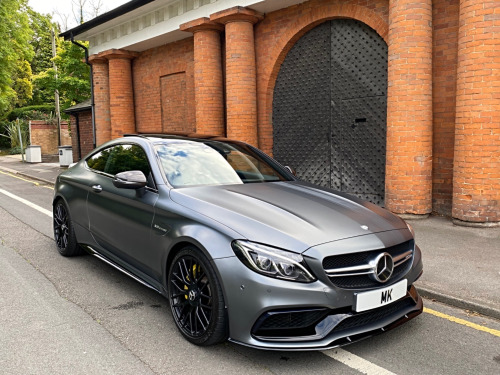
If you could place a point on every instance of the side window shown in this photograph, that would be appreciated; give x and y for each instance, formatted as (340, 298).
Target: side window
(98, 161)
(121, 158)
(127, 158)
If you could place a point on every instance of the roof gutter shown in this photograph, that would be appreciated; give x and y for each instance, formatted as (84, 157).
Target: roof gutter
(92, 103)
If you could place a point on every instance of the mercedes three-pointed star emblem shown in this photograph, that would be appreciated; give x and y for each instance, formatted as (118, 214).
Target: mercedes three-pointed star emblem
(383, 266)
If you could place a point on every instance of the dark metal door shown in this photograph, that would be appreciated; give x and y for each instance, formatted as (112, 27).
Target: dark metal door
(329, 109)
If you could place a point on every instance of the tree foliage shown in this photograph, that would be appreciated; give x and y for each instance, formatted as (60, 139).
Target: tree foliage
(73, 75)
(27, 75)
(41, 42)
(15, 49)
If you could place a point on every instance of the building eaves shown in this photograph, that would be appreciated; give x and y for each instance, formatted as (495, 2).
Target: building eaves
(103, 18)
(83, 106)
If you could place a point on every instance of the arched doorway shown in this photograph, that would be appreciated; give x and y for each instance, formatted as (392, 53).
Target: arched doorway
(330, 106)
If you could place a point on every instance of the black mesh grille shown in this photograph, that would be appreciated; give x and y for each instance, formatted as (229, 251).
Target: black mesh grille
(354, 259)
(289, 323)
(372, 316)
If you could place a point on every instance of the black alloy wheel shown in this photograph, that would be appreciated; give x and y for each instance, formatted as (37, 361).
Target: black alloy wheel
(63, 231)
(196, 298)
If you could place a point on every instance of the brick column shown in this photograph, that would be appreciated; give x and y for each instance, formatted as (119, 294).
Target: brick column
(409, 108)
(208, 82)
(241, 86)
(476, 173)
(121, 92)
(100, 76)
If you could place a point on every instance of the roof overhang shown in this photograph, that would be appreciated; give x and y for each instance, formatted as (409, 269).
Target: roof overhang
(143, 24)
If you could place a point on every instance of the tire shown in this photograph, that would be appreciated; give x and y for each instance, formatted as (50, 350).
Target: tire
(64, 233)
(196, 299)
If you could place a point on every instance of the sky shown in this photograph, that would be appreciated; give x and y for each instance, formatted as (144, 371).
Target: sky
(62, 9)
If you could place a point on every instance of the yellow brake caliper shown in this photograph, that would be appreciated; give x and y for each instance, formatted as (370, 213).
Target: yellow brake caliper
(194, 277)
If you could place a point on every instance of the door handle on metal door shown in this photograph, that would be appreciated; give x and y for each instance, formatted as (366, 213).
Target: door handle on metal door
(97, 188)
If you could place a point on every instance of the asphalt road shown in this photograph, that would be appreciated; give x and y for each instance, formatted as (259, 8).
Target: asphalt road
(80, 316)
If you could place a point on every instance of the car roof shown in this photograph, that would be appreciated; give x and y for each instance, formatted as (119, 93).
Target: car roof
(183, 136)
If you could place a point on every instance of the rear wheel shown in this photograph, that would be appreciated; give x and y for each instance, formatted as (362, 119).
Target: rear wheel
(196, 298)
(64, 233)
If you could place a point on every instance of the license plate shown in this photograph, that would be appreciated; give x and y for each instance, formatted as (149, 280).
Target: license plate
(380, 297)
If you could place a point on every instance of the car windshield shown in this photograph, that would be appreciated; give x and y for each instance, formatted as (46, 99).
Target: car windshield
(199, 163)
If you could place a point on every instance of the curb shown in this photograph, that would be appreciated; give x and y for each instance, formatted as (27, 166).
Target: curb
(13, 171)
(460, 303)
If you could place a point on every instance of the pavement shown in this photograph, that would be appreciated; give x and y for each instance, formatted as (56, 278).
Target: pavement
(461, 264)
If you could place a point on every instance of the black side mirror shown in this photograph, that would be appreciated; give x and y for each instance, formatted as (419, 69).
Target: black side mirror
(130, 180)
(291, 170)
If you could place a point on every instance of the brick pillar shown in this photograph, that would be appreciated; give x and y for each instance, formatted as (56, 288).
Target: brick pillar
(100, 76)
(121, 92)
(476, 173)
(241, 86)
(208, 82)
(409, 108)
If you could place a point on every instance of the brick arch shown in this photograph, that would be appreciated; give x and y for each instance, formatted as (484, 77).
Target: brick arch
(304, 23)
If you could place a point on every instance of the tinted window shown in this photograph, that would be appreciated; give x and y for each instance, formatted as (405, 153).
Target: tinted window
(190, 163)
(98, 161)
(120, 158)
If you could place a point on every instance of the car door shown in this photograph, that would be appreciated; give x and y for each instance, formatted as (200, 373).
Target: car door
(120, 219)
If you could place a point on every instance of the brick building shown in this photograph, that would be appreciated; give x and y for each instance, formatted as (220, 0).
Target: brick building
(82, 134)
(396, 101)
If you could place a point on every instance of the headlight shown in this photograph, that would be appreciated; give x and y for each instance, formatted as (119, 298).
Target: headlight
(410, 228)
(273, 262)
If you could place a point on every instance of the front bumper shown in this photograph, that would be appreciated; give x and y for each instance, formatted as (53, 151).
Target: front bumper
(250, 297)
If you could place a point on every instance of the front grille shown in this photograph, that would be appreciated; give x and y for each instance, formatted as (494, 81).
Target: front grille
(363, 258)
(289, 323)
(309, 324)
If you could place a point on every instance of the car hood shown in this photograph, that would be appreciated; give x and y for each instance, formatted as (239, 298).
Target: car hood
(291, 215)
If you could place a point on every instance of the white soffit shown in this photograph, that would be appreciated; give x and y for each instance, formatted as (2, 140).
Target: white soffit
(157, 23)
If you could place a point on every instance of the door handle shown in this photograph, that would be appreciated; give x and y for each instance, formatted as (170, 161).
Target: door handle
(97, 188)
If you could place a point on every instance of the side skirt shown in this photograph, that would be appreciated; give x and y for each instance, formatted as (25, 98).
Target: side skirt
(95, 253)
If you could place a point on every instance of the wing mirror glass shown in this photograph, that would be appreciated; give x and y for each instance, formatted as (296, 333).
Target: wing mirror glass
(130, 180)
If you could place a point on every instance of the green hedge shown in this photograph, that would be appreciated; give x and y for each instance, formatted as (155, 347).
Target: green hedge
(32, 112)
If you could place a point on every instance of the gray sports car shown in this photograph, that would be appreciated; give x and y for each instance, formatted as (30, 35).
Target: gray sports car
(241, 248)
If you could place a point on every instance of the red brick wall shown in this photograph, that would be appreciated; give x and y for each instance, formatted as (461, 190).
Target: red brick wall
(100, 72)
(476, 187)
(121, 95)
(408, 177)
(444, 67)
(432, 128)
(173, 104)
(45, 135)
(85, 134)
(148, 68)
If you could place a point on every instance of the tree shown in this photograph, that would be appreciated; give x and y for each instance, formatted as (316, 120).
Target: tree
(22, 85)
(41, 25)
(15, 49)
(73, 81)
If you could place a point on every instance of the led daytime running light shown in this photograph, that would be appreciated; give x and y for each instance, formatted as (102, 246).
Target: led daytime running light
(273, 262)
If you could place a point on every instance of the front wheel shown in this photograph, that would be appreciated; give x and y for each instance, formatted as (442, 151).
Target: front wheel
(196, 298)
(64, 233)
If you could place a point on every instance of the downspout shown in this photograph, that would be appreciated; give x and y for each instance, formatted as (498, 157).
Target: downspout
(92, 103)
(77, 117)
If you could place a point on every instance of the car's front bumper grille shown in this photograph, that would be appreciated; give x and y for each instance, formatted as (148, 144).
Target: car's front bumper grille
(289, 322)
(371, 316)
(309, 325)
(354, 271)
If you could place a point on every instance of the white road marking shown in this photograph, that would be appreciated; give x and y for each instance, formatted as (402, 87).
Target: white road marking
(356, 363)
(26, 202)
